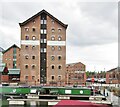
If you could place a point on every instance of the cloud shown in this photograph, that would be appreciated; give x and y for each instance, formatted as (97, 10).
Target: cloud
(94, 24)
(104, 56)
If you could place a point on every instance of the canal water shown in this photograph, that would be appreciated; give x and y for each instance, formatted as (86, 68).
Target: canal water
(5, 103)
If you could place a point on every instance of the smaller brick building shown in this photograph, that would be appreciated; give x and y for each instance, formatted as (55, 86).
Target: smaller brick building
(113, 76)
(3, 73)
(75, 74)
(11, 57)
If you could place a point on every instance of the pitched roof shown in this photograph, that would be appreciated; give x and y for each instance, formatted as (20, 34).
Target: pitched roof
(39, 13)
(114, 69)
(72, 64)
(13, 46)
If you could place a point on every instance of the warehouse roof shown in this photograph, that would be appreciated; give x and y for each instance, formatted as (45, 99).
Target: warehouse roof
(38, 14)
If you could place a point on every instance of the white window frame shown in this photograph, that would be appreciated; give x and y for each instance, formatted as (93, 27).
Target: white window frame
(45, 50)
(42, 50)
(42, 31)
(42, 21)
(45, 21)
(45, 40)
(42, 41)
(45, 31)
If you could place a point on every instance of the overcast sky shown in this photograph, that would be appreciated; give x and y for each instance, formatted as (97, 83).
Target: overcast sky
(92, 33)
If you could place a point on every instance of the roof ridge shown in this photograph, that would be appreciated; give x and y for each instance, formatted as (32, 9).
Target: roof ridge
(42, 11)
(14, 45)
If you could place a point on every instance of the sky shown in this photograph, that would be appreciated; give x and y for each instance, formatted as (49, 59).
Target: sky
(92, 33)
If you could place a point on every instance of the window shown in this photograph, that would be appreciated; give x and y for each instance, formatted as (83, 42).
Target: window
(26, 37)
(45, 21)
(33, 57)
(59, 77)
(45, 31)
(59, 38)
(59, 30)
(59, 67)
(53, 67)
(26, 77)
(26, 57)
(52, 38)
(42, 50)
(41, 31)
(52, 48)
(42, 41)
(52, 77)
(33, 77)
(59, 57)
(53, 30)
(42, 21)
(52, 58)
(26, 29)
(33, 47)
(59, 48)
(33, 38)
(52, 21)
(26, 47)
(26, 66)
(33, 29)
(33, 66)
(33, 21)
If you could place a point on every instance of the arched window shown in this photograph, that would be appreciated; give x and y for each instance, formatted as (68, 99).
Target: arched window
(59, 57)
(26, 56)
(33, 38)
(33, 57)
(59, 48)
(52, 58)
(52, 38)
(53, 67)
(52, 48)
(26, 37)
(59, 67)
(33, 66)
(53, 30)
(59, 38)
(26, 66)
